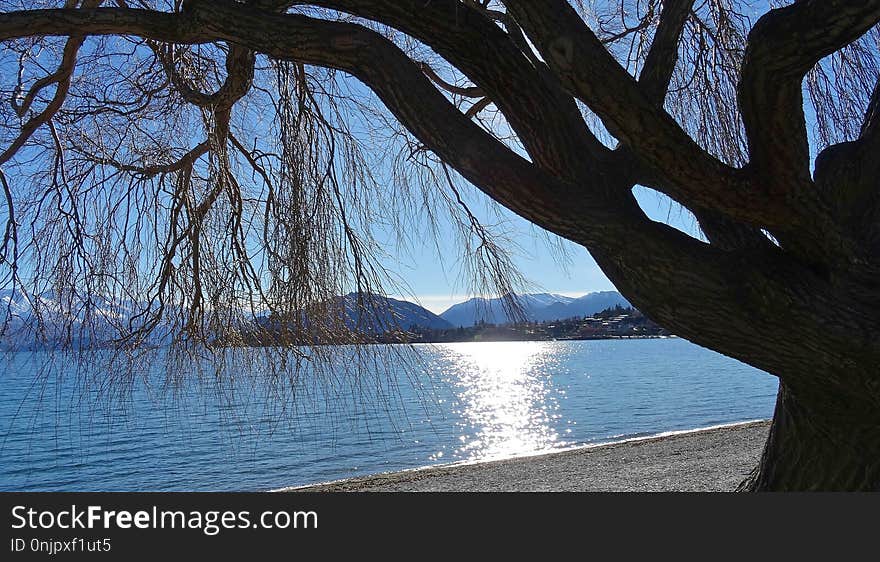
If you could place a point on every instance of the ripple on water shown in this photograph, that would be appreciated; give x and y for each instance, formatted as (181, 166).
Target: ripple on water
(475, 401)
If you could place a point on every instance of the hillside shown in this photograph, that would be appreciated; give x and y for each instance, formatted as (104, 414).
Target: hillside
(536, 307)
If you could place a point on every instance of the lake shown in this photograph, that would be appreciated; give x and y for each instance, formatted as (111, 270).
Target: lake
(467, 402)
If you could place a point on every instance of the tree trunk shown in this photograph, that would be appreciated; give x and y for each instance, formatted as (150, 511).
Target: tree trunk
(818, 443)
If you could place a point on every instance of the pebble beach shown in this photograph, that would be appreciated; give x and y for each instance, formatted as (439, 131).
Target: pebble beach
(704, 460)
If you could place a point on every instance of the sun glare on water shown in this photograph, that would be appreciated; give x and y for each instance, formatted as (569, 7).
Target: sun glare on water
(506, 402)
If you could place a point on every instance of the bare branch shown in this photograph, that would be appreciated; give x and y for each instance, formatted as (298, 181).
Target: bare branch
(692, 175)
(538, 110)
(479, 106)
(10, 233)
(184, 161)
(239, 77)
(660, 62)
(398, 81)
(61, 77)
(471, 91)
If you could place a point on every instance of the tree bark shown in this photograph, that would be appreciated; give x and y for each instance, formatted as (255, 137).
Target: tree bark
(817, 443)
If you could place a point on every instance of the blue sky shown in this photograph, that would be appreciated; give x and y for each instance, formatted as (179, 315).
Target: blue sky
(436, 279)
(438, 285)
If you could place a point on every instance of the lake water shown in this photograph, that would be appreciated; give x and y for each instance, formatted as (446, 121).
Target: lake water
(469, 402)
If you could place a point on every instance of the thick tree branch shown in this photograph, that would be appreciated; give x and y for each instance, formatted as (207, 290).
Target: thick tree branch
(847, 175)
(239, 77)
(690, 174)
(663, 54)
(800, 219)
(160, 26)
(870, 133)
(782, 47)
(722, 231)
(546, 119)
(477, 107)
(469, 91)
(728, 234)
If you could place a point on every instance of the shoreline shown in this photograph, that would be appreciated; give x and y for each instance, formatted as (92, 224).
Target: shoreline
(442, 342)
(715, 458)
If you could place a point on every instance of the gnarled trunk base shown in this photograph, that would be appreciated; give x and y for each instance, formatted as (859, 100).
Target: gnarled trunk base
(813, 446)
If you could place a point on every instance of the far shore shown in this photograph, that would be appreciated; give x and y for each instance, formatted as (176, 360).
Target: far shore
(714, 459)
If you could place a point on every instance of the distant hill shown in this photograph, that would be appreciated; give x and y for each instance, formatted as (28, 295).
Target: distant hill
(48, 321)
(615, 322)
(536, 307)
(587, 305)
(370, 314)
(376, 314)
(492, 311)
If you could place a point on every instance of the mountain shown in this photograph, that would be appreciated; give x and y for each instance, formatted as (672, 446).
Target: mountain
(47, 321)
(377, 314)
(369, 314)
(587, 305)
(492, 311)
(536, 307)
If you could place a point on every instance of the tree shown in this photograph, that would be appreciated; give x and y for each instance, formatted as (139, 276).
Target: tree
(571, 105)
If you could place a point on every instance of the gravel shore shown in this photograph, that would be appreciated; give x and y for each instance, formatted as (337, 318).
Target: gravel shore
(707, 460)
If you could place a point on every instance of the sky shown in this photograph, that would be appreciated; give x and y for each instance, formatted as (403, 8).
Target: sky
(437, 286)
(436, 281)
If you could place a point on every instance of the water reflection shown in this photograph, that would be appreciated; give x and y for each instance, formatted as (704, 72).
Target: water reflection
(473, 401)
(507, 405)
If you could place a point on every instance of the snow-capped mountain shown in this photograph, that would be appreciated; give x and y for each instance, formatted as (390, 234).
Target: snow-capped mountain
(535, 306)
